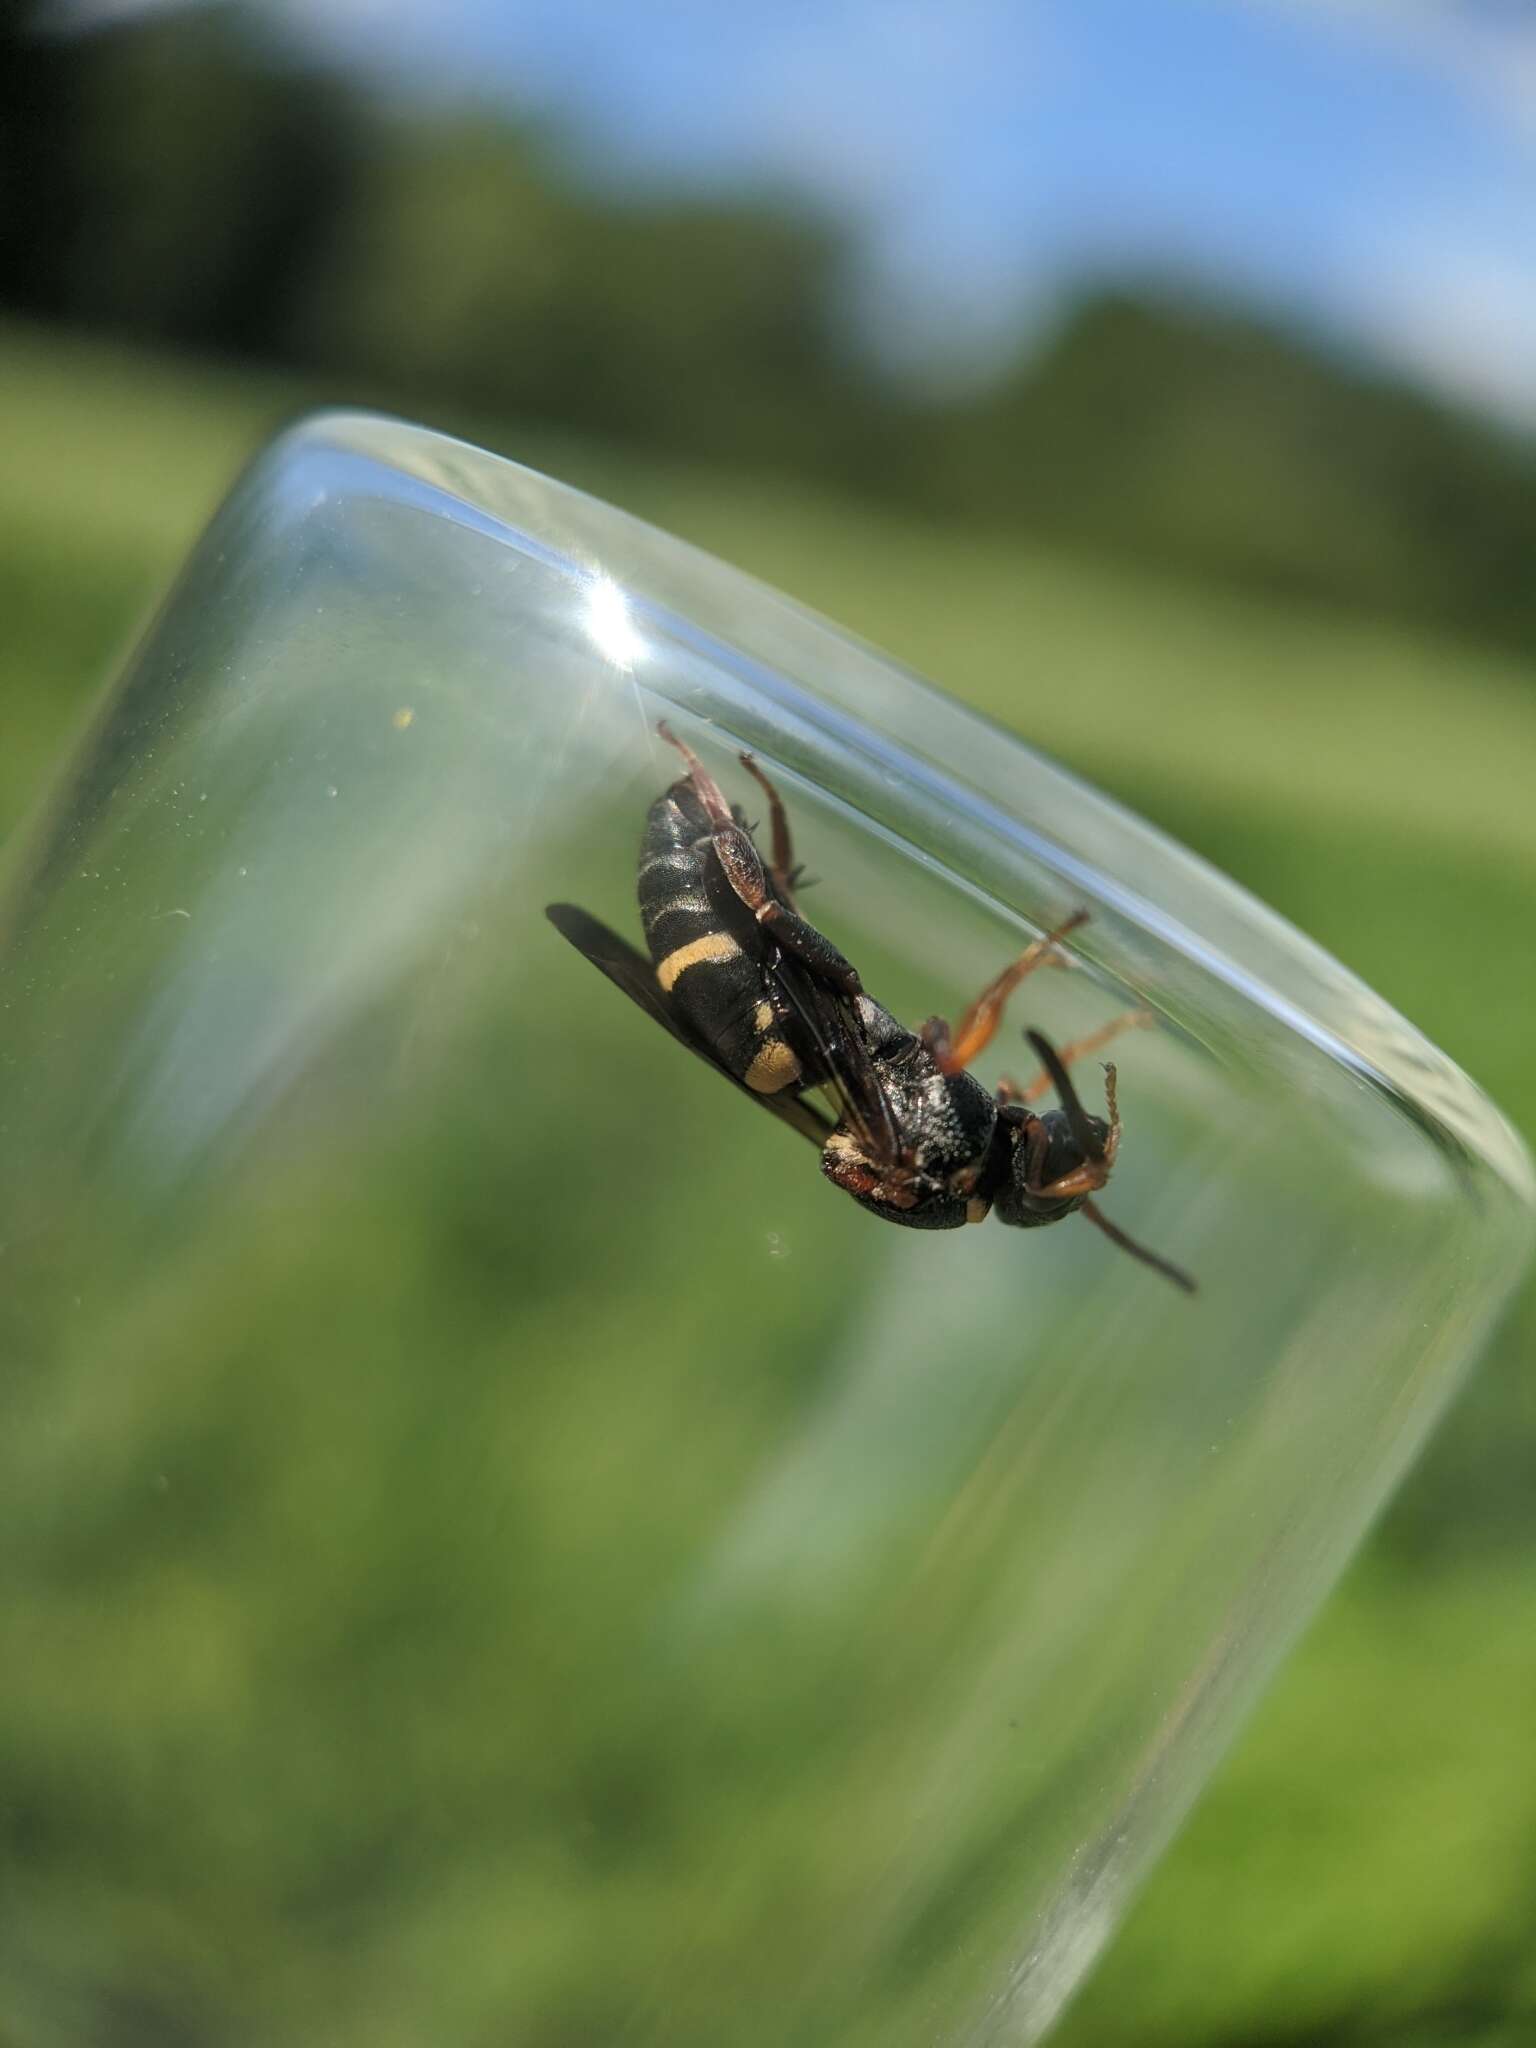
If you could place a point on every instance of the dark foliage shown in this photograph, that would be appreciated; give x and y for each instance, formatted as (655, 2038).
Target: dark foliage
(182, 178)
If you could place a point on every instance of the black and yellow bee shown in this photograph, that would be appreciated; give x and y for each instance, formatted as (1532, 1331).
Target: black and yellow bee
(738, 976)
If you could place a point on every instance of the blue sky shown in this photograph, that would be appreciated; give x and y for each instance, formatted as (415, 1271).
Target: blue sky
(1368, 166)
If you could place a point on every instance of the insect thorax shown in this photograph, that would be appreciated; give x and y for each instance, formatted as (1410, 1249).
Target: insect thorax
(946, 1124)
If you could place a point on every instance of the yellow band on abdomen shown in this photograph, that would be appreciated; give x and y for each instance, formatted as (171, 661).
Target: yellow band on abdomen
(773, 1067)
(713, 946)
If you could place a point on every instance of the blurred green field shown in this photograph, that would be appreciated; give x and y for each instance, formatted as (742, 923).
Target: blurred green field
(1365, 1868)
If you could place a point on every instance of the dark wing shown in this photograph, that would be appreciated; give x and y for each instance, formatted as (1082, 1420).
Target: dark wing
(627, 968)
(832, 1025)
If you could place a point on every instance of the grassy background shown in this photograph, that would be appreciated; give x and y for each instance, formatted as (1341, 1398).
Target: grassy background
(1365, 1868)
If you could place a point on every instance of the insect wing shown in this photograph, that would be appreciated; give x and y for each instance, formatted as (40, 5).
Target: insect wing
(831, 1023)
(628, 969)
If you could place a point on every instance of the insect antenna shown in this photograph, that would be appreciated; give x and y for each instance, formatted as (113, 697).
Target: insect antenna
(1094, 1148)
(1088, 1140)
(1117, 1236)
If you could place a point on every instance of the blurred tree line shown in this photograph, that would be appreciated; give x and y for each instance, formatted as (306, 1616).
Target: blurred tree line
(182, 177)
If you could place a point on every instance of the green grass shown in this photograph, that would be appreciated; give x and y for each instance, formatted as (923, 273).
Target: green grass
(1363, 1868)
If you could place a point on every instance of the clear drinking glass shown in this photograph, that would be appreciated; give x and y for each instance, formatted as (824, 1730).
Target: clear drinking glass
(494, 1547)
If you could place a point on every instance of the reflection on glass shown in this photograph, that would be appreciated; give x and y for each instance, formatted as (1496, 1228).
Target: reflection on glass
(495, 1546)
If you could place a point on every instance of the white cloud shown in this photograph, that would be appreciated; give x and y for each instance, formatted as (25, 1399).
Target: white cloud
(1460, 317)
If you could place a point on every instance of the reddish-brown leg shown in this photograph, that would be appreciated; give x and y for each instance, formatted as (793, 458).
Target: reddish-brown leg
(743, 868)
(954, 1051)
(1078, 1048)
(708, 791)
(782, 867)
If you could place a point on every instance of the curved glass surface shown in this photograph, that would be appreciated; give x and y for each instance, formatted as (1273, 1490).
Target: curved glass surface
(496, 1547)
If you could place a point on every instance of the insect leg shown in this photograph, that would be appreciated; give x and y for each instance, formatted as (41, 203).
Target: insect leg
(708, 791)
(954, 1051)
(1078, 1048)
(782, 869)
(743, 868)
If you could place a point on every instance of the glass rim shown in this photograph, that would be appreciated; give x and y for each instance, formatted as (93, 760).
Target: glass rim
(953, 762)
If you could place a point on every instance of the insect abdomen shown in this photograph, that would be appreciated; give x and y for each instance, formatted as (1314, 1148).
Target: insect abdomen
(707, 948)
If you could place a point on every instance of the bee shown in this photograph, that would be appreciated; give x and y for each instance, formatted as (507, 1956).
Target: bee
(739, 977)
